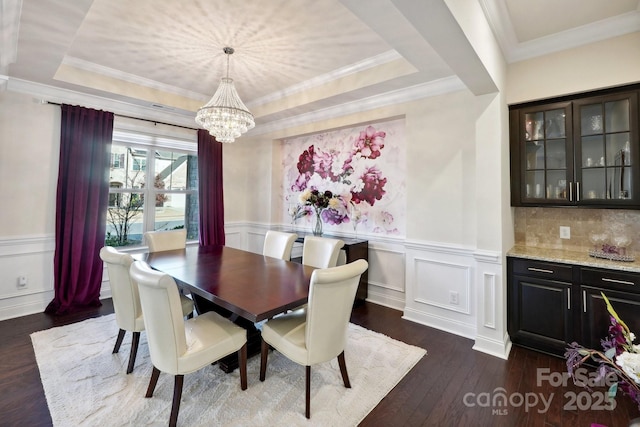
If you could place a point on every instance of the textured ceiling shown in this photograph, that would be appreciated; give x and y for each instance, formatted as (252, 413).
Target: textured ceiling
(292, 57)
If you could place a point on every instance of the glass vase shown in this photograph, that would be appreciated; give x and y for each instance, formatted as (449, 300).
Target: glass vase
(317, 229)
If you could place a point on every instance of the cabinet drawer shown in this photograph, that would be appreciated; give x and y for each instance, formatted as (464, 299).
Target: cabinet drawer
(610, 279)
(548, 270)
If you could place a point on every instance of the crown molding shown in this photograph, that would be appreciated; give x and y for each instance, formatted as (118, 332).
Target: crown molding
(94, 68)
(514, 51)
(46, 93)
(579, 36)
(425, 90)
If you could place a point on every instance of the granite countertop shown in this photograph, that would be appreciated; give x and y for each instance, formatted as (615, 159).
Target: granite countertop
(572, 257)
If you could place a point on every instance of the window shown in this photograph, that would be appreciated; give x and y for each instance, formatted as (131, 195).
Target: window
(117, 161)
(139, 164)
(154, 187)
(115, 199)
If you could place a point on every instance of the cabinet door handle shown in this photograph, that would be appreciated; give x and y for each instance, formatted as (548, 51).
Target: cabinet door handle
(570, 191)
(540, 270)
(568, 298)
(577, 191)
(622, 282)
(584, 301)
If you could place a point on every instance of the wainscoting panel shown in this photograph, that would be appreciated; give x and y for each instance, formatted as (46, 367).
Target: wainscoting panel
(31, 257)
(448, 285)
(386, 274)
(386, 267)
(234, 233)
(255, 242)
(440, 288)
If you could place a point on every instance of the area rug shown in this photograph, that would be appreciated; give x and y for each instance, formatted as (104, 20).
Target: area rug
(86, 385)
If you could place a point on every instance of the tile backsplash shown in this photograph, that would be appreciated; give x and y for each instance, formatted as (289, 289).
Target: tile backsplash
(540, 227)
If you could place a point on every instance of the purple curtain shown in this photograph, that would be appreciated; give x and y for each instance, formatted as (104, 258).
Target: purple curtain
(210, 194)
(81, 205)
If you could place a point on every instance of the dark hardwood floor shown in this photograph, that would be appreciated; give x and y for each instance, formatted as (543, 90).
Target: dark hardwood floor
(439, 391)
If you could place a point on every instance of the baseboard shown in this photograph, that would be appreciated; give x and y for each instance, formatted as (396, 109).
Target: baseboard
(385, 300)
(444, 324)
(495, 348)
(26, 305)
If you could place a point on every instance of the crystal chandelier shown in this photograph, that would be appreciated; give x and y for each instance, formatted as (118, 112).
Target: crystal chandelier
(225, 116)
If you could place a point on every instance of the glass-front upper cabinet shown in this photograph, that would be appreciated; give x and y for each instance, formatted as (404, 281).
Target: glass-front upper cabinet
(582, 150)
(606, 154)
(545, 138)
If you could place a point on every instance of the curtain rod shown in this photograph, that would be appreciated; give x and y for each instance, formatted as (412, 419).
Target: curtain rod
(138, 118)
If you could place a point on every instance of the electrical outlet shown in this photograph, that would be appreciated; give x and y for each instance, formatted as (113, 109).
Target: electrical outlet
(565, 232)
(453, 297)
(22, 282)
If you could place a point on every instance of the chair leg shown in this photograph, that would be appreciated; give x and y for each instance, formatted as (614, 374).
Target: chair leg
(242, 361)
(155, 373)
(343, 370)
(307, 408)
(177, 395)
(264, 351)
(121, 333)
(134, 351)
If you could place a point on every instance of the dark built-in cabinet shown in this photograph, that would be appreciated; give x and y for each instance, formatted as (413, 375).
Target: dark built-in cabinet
(550, 304)
(577, 151)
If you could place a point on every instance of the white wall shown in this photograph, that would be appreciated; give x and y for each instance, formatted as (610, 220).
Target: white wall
(29, 147)
(608, 63)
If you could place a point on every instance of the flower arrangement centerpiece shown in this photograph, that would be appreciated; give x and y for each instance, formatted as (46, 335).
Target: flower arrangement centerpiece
(319, 201)
(619, 358)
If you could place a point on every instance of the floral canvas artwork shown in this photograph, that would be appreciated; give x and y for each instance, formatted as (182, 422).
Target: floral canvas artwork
(362, 168)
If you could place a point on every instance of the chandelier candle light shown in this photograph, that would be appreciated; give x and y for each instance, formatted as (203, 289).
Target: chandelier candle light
(225, 116)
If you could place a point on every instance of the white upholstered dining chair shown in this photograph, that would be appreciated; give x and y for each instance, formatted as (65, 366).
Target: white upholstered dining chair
(321, 252)
(319, 333)
(166, 240)
(126, 300)
(179, 347)
(159, 241)
(278, 244)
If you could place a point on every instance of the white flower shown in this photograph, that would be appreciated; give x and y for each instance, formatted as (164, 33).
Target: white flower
(630, 364)
(304, 196)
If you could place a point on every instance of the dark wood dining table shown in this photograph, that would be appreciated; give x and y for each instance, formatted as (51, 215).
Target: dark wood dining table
(244, 286)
